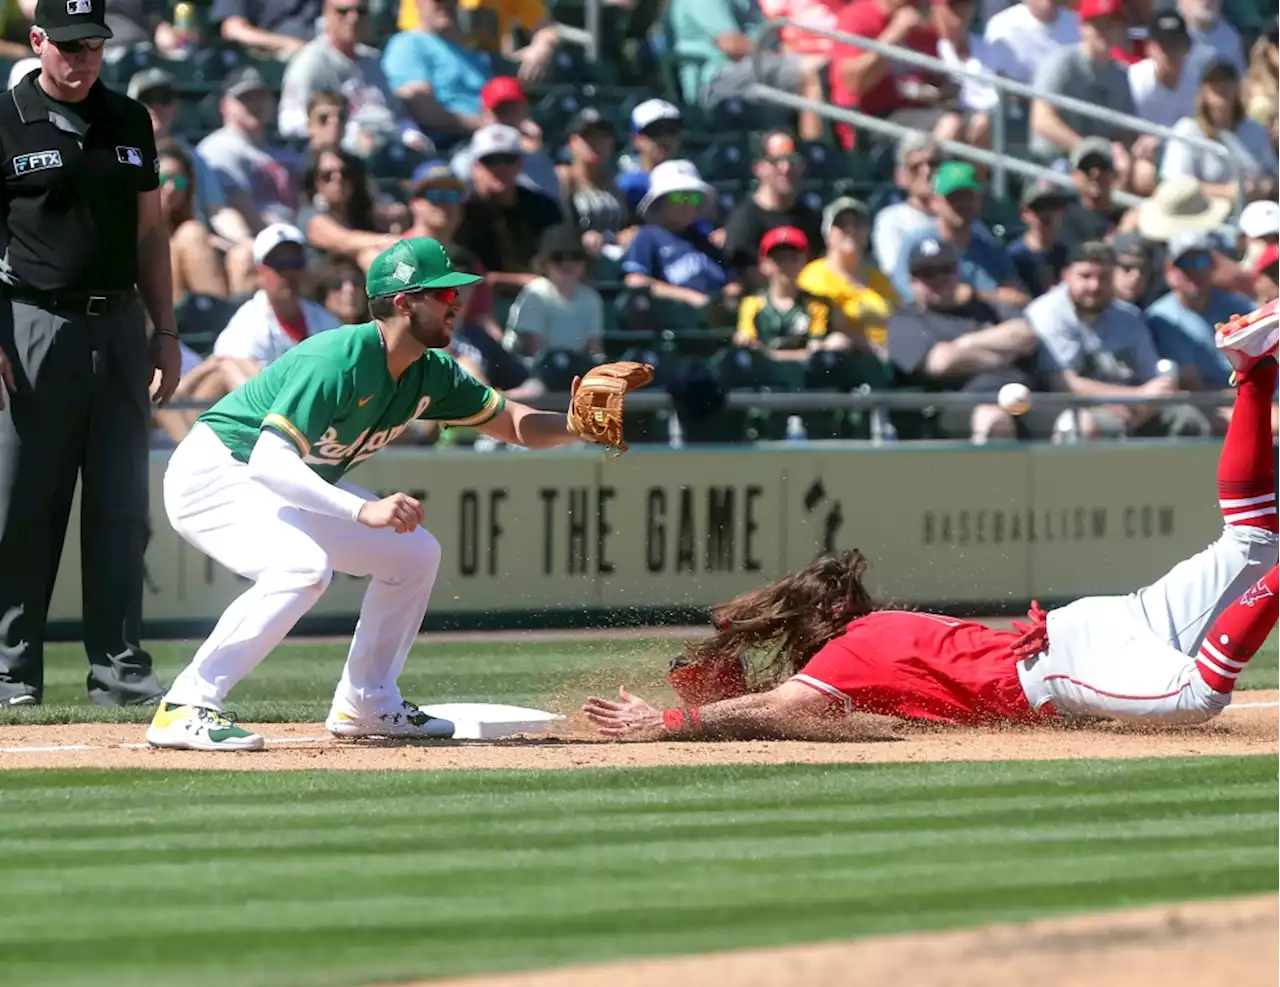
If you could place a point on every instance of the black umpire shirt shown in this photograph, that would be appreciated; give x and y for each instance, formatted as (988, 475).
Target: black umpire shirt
(70, 174)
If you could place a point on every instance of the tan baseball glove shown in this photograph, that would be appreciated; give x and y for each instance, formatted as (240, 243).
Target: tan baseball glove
(595, 406)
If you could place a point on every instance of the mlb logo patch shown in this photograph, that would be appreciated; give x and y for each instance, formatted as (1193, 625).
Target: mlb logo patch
(129, 155)
(79, 6)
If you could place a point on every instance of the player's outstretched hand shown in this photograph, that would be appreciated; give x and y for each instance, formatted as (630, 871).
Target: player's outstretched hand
(399, 511)
(626, 718)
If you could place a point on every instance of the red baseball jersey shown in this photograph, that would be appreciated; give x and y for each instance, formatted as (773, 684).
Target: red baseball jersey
(922, 666)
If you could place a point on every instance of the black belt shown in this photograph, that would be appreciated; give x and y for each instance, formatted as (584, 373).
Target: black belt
(89, 303)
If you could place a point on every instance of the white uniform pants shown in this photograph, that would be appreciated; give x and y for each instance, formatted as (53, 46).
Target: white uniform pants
(291, 555)
(1133, 657)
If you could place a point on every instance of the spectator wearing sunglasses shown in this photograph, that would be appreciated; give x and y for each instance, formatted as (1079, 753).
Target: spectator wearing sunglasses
(558, 310)
(338, 215)
(277, 26)
(917, 160)
(197, 268)
(502, 100)
(1133, 274)
(656, 135)
(503, 220)
(779, 170)
(337, 62)
(669, 254)
(154, 89)
(1039, 255)
(277, 317)
(340, 289)
(1182, 322)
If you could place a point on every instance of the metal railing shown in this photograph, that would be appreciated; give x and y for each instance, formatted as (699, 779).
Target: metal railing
(995, 159)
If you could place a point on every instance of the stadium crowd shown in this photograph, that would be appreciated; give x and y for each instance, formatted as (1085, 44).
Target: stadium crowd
(642, 207)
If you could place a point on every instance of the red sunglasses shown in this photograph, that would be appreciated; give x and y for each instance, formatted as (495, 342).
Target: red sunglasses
(445, 296)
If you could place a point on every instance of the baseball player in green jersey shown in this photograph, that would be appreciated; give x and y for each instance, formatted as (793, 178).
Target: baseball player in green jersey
(258, 485)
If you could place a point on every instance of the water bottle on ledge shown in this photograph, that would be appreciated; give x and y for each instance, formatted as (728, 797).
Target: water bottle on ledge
(796, 431)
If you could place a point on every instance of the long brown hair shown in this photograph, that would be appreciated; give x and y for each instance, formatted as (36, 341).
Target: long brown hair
(777, 629)
(171, 149)
(1202, 111)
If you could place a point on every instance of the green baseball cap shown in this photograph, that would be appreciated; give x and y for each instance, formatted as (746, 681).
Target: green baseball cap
(954, 176)
(417, 264)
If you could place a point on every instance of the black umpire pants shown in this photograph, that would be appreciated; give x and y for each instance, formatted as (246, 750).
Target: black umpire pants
(81, 408)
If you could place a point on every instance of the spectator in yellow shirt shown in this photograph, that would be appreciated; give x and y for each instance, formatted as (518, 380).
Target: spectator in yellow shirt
(846, 277)
(488, 25)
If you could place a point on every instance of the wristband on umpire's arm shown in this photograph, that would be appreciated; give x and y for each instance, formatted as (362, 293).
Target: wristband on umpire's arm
(687, 719)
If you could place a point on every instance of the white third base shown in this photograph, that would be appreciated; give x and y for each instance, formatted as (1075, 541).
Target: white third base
(491, 721)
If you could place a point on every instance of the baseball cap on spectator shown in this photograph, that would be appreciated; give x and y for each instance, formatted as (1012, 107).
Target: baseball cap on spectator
(273, 236)
(73, 20)
(495, 139)
(956, 176)
(431, 174)
(1219, 68)
(653, 111)
(562, 238)
(931, 254)
(1260, 219)
(838, 207)
(1091, 252)
(1189, 242)
(675, 176)
(1092, 9)
(587, 119)
(1179, 203)
(151, 81)
(415, 264)
(242, 81)
(1268, 259)
(784, 236)
(1044, 195)
(1092, 151)
(1166, 27)
(1131, 250)
(502, 89)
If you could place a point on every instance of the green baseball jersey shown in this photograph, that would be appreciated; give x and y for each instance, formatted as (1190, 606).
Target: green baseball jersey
(332, 397)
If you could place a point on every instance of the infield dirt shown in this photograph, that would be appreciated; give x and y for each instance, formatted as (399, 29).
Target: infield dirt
(1248, 727)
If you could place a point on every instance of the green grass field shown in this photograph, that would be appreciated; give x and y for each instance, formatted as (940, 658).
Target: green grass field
(311, 878)
(299, 878)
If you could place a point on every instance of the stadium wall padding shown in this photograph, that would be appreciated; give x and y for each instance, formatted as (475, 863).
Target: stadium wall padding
(571, 538)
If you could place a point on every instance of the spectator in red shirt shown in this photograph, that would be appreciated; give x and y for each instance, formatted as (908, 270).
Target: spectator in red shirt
(877, 86)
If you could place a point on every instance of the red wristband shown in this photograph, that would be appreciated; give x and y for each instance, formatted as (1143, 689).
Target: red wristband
(673, 720)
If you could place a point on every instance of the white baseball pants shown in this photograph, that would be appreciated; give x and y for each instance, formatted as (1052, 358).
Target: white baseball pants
(291, 555)
(1134, 657)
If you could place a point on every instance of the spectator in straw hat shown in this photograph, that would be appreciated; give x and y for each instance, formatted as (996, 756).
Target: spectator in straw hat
(1180, 203)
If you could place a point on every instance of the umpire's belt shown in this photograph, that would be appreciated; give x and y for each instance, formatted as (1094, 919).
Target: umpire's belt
(79, 302)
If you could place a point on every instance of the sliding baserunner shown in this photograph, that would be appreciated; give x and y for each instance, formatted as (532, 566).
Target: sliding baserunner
(1168, 654)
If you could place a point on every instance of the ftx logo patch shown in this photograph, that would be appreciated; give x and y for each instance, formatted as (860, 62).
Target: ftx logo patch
(38, 161)
(129, 156)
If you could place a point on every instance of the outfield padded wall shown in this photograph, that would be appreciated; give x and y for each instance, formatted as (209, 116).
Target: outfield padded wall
(568, 532)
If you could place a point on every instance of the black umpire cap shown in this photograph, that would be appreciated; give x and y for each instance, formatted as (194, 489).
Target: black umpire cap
(73, 20)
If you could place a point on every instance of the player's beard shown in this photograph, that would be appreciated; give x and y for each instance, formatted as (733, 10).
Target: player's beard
(431, 332)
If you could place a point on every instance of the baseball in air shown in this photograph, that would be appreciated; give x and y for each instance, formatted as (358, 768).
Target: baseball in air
(1014, 398)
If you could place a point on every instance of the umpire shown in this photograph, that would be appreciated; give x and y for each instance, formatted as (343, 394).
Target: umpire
(83, 238)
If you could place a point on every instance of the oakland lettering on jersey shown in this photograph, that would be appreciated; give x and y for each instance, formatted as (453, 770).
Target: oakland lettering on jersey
(330, 450)
(998, 527)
